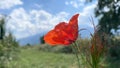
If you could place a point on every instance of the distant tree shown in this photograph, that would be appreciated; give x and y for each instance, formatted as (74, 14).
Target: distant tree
(42, 40)
(108, 12)
(28, 44)
(2, 28)
(9, 47)
(10, 39)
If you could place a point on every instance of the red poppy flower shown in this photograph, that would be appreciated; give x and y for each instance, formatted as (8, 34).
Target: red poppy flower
(63, 33)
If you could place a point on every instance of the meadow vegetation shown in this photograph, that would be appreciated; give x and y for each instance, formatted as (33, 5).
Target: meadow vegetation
(12, 55)
(46, 56)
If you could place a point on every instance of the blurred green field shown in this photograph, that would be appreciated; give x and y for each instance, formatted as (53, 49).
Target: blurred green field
(45, 56)
(33, 58)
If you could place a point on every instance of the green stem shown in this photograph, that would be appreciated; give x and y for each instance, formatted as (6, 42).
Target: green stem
(95, 60)
(94, 57)
(74, 47)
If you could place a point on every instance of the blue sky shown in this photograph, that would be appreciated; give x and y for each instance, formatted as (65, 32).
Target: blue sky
(30, 17)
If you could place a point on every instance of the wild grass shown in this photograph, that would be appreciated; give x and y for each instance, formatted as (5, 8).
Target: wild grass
(33, 58)
(50, 57)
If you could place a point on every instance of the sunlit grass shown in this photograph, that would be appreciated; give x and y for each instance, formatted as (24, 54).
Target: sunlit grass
(32, 58)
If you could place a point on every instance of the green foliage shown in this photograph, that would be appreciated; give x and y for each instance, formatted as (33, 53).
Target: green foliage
(113, 55)
(66, 49)
(9, 50)
(2, 28)
(55, 49)
(48, 48)
(45, 48)
(8, 46)
(28, 45)
(114, 48)
(110, 19)
(42, 40)
(84, 44)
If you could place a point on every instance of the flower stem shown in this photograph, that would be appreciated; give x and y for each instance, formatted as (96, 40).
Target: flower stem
(75, 48)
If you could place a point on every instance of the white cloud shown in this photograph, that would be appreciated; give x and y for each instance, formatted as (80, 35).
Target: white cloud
(24, 24)
(38, 5)
(75, 3)
(6, 4)
(86, 14)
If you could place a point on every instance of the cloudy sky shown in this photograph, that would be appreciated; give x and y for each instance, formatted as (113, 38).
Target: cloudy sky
(30, 17)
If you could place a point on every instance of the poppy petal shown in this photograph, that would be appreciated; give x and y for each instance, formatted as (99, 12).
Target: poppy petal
(74, 20)
(57, 35)
(74, 24)
(63, 33)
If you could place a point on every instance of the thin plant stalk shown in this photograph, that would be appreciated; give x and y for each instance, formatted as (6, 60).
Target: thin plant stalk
(74, 48)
